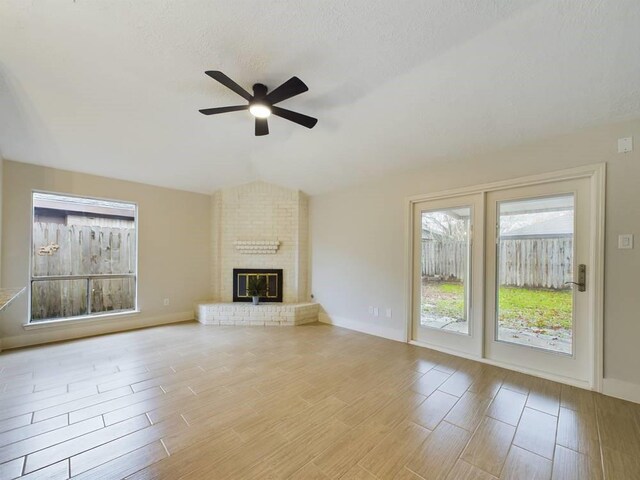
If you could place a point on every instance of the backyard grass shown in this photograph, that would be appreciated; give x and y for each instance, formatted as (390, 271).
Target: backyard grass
(540, 308)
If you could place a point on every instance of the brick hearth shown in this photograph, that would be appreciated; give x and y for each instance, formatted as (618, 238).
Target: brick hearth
(246, 314)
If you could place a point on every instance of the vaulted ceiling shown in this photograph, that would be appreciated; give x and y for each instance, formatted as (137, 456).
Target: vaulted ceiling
(114, 87)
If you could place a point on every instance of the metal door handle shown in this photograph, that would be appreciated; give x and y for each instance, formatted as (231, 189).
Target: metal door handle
(582, 278)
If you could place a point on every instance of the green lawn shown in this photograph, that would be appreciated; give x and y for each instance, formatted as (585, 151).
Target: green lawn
(541, 308)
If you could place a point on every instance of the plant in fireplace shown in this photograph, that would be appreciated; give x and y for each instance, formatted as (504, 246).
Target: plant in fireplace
(257, 287)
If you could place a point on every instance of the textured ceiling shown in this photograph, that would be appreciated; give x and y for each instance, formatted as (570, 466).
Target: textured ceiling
(114, 87)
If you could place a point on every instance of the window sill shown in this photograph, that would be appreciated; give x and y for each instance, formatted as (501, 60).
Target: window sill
(63, 322)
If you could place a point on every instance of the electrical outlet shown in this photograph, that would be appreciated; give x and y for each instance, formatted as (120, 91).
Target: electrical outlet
(166, 302)
(388, 313)
(375, 311)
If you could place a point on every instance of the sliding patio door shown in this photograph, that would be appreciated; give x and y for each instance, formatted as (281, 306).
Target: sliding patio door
(511, 275)
(537, 278)
(447, 274)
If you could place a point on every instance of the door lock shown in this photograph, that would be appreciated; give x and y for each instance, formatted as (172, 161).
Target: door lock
(582, 278)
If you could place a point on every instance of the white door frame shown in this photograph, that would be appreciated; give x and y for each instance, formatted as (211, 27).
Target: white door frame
(596, 173)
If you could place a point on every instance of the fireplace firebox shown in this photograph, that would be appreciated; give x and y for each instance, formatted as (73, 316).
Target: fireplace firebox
(241, 281)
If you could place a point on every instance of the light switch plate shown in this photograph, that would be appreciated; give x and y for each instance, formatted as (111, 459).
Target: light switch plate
(625, 145)
(625, 241)
(388, 313)
(375, 311)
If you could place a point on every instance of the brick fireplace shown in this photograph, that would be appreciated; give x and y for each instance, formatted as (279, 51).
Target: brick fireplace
(259, 227)
(264, 216)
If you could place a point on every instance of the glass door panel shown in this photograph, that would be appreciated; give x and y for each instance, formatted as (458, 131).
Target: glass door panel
(447, 270)
(534, 255)
(446, 240)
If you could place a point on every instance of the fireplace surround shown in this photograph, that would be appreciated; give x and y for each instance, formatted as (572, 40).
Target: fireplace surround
(263, 216)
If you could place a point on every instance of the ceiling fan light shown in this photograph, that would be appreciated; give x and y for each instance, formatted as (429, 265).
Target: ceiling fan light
(260, 110)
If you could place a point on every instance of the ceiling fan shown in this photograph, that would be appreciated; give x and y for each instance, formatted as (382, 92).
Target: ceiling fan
(262, 103)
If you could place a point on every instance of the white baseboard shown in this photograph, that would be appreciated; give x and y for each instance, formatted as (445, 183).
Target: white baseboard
(621, 389)
(363, 327)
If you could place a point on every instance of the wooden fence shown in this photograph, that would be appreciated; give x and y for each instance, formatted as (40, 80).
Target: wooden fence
(446, 259)
(77, 257)
(526, 262)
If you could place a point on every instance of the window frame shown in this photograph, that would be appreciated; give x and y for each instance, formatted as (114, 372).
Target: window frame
(88, 316)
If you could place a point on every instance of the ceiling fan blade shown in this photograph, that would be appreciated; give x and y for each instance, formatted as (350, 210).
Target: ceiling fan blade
(262, 127)
(295, 117)
(230, 84)
(213, 111)
(292, 87)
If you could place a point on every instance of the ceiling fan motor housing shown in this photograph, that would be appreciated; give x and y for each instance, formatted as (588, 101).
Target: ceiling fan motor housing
(259, 97)
(259, 91)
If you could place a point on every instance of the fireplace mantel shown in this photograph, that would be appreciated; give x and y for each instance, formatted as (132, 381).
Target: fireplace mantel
(257, 247)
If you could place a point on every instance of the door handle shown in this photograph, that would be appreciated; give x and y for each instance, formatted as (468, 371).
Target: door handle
(582, 278)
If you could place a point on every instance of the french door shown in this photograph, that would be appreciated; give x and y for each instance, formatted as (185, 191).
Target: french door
(538, 265)
(506, 275)
(448, 264)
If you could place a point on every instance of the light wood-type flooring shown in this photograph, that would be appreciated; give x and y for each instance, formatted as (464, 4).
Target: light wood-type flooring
(305, 403)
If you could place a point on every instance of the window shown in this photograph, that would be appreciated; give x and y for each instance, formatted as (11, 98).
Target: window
(83, 257)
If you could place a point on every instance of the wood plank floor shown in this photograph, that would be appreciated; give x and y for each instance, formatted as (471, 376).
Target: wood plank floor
(188, 401)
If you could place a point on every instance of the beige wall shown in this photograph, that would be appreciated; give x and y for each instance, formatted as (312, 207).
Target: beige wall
(174, 249)
(1, 169)
(260, 211)
(358, 253)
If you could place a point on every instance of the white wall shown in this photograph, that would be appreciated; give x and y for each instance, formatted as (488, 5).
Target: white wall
(358, 254)
(260, 211)
(173, 260)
